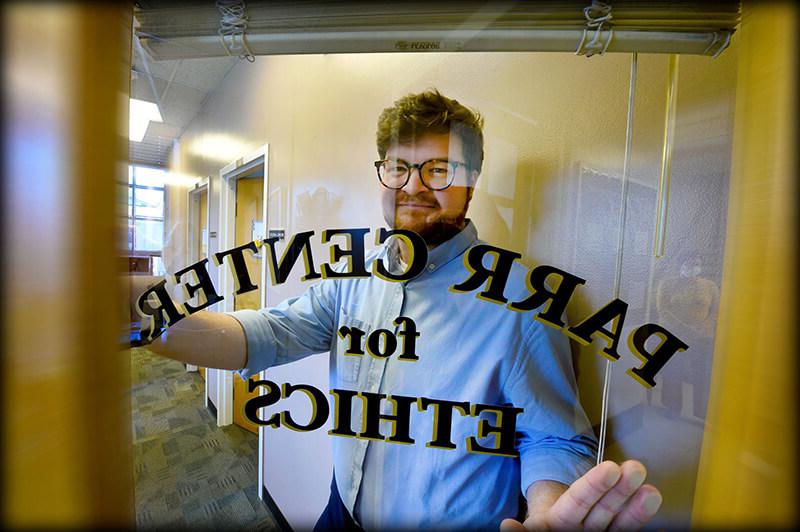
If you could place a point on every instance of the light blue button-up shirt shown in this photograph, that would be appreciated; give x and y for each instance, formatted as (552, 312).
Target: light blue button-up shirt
(469, 350)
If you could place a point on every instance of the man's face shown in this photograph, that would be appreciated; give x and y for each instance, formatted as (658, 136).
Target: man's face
(436, 215)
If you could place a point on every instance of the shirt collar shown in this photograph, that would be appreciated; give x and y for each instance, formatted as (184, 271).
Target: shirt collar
(441, 254)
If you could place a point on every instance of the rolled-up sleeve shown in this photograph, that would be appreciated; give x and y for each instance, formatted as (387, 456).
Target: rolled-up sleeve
(296, 328)
(555, 438)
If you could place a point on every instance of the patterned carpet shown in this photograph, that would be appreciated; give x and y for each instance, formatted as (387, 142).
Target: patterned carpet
(189, 473)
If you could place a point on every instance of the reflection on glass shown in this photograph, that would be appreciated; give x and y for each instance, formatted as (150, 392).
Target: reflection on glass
(550, 189)
(688, 304)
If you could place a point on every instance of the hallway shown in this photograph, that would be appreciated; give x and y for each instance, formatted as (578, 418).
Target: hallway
(188, 472)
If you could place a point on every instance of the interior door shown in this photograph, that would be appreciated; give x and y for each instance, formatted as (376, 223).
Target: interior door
(249, 225)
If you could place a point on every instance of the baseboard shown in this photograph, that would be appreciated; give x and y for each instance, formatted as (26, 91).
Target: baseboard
(283, 524)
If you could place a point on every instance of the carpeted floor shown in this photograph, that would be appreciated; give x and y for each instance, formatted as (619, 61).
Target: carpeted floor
(189, 472)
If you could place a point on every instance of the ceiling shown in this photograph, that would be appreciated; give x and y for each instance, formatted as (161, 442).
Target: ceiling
(180, 88)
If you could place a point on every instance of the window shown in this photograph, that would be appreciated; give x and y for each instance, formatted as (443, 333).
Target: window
(146, 194)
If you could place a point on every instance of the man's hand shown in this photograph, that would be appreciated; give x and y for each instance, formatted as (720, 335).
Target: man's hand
(609, 496)
(146, 335)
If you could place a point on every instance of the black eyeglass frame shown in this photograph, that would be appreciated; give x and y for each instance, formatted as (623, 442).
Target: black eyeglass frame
(411, 167)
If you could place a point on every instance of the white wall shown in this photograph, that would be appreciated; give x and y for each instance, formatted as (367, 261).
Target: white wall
(547, 115)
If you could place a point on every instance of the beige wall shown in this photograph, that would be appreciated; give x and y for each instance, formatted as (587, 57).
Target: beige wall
(547, 116)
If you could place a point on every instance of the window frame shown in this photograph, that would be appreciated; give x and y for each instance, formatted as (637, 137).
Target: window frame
(131, 217)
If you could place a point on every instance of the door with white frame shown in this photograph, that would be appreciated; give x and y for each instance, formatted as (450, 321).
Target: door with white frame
(242, 218)
(245, 215)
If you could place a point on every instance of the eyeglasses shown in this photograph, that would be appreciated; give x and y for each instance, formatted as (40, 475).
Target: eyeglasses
(436, 174)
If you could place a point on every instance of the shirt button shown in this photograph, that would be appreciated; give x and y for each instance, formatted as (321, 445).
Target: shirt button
(431, 267)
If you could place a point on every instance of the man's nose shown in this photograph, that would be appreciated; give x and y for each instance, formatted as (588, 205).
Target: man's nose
(414, 184)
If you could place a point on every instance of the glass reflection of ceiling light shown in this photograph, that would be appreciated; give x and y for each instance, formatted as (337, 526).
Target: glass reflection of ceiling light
(142, 113)
(219, 147)
(180, 180)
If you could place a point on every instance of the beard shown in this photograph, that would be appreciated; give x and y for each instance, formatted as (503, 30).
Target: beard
(433, 232)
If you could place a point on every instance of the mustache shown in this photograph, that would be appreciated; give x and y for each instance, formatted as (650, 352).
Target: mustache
(422, 199)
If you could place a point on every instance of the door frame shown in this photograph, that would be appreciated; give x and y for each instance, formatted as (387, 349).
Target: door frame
(193, 219)
(228, 176)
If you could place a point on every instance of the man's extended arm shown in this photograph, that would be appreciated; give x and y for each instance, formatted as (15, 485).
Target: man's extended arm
(255, 340)
(208, 339)
(556, 443)
(609, 496)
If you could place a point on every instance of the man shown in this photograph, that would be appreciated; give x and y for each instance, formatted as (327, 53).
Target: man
(469, 351)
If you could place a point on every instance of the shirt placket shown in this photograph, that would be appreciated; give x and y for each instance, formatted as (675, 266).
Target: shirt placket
(374, 381)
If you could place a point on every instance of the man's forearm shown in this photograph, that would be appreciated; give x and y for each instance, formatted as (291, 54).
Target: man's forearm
(542, 495)
(208, 339)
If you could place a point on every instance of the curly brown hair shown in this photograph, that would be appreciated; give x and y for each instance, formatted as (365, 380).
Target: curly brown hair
(415, 115)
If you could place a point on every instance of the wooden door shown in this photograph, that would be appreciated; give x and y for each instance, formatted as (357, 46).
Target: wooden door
(249, 207)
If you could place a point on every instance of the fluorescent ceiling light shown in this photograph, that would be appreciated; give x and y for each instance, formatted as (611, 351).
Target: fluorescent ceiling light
(141, 114)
